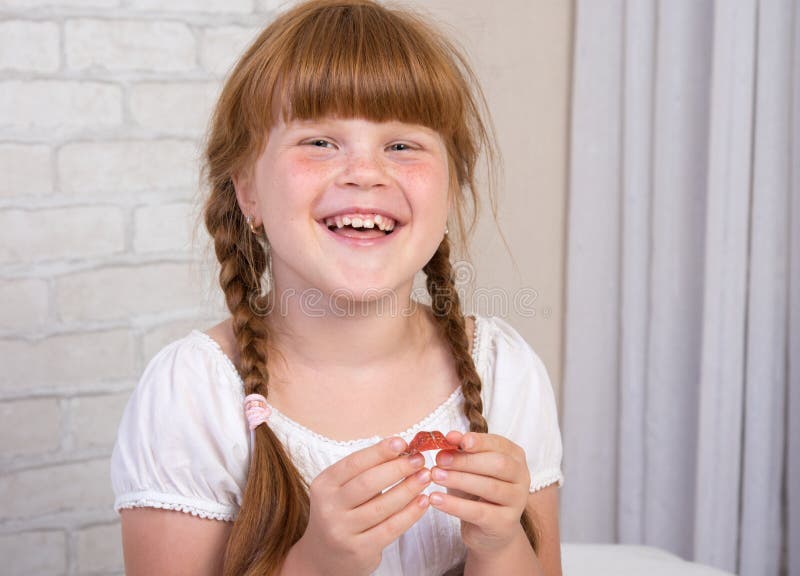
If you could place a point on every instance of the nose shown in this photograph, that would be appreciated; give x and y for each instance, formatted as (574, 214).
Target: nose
(363, 169)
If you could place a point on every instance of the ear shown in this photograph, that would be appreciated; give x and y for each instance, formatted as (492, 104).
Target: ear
(246, 196)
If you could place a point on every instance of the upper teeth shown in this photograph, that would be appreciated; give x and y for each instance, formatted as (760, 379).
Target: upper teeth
(362, 221)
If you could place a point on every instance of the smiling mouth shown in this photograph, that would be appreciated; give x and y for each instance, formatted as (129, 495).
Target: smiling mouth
(363, 224)
(351, 230)
(359, 227)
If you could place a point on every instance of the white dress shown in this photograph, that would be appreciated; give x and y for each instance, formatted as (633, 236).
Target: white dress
(183, 442)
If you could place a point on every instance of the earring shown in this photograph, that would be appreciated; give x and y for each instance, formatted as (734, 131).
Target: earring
(268, 275)
(258, 299)
(249, 220)
(445, 230)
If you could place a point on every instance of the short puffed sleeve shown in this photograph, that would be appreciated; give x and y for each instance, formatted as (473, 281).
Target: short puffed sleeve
(519, 402)
(182, 443)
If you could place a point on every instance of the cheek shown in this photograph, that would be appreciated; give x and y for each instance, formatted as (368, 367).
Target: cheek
(293, 183)
(297, 172)
(428, 185)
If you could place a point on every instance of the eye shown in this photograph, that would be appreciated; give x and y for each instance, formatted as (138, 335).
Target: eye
(318, 143)
(400, 146)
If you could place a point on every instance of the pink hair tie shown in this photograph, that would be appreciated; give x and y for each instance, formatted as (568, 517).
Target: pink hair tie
(256, 410)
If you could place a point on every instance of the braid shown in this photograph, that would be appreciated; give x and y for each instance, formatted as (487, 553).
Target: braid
(446, 307)
(447, 311)
(259, 541)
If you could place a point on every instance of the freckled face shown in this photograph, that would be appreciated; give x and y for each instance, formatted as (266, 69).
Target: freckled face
(310, 170)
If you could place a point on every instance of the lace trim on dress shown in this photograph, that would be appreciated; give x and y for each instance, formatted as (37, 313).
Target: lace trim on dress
(447, 404)
(544, 479)
(161, 502)
(476, 349)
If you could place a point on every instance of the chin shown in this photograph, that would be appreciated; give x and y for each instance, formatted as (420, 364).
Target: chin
(363, 293)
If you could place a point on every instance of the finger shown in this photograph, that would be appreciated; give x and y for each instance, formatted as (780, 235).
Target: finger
(382, 506)
(479, 442)
(484, 514)
(354, 464)
(396, 525)
(493, 464)
(454, 437)
(374, 480)
(490, 489)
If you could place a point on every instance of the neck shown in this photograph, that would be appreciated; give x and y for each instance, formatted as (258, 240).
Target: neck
(344, 336)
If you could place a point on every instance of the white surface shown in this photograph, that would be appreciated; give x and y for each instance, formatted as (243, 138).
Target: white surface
(620, 560)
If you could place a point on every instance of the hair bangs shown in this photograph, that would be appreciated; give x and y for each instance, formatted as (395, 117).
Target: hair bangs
(365, 62)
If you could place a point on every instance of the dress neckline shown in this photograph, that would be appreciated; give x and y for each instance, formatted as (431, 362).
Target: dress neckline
(456, 395)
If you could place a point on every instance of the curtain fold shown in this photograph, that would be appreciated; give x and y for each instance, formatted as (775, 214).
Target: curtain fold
(791, 493)
(591, 347)
(767, 329)
(681, 407)
(716, 519)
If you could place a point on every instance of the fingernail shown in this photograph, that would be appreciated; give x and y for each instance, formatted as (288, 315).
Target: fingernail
(397, 444)
(445, 459)
(466, 442)
(423, 475)
(438, 474)
(422, 500)
(417, 460)
(436, 498)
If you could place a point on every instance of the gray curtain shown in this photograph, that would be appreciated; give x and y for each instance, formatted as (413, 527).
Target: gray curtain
(681, 394)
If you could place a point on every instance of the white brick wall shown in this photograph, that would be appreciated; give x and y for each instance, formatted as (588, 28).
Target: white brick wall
(102, 107)
(29, 46)
(50, 556)
(124, 45)
(45, 104)
(26, 170)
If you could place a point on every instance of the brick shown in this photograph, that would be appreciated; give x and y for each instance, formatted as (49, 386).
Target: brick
(213, 304)
(69, 487)
(67, 360)
(60, 3)
(29, 46)
(26, 170)
(128, 291)
(30, 426)
(174, 108)
(43, 553)
(53, 234)
(57, 104)
(23, 304)
(95, 419)
(151, 46)
(90, 167)
(222, 46)
(163, 227)
(274, 5)
(214, 6)
(100, 549)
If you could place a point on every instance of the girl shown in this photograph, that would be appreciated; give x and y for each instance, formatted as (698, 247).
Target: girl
(344, 141)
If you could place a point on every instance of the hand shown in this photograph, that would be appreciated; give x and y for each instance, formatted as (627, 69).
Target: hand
(487, 485)
(350, 520)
